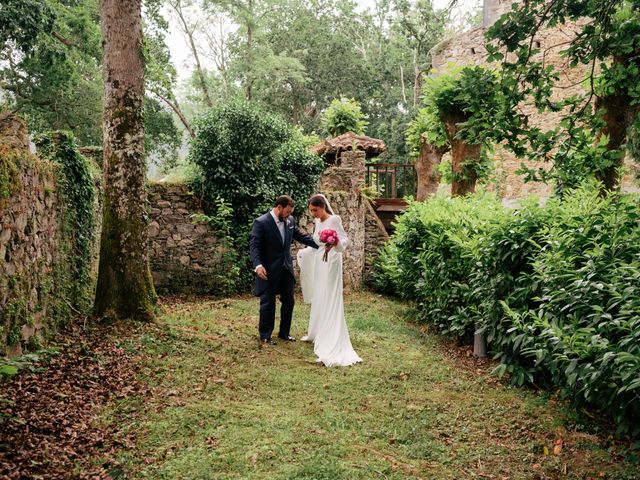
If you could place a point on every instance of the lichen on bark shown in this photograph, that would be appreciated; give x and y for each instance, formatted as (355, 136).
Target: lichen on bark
(125, 288)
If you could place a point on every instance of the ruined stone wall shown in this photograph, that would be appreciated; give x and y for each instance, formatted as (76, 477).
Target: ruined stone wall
(185, 255)
(468, 49)
(37, 284)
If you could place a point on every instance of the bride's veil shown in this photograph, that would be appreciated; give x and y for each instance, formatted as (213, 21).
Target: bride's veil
(326, 201)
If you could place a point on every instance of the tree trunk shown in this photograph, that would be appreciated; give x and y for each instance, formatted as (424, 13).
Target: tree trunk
(463, 158)
(616, 121)
(428, 177)
(124, 289)
(249, 66)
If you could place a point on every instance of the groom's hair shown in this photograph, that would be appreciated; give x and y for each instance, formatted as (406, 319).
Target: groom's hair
(285, 201)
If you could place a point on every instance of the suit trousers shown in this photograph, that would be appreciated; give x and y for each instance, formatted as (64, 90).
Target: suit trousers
(284, 287)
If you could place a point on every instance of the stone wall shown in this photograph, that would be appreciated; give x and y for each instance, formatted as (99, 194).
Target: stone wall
(185, 256)
(468, 49)
(37, 286)
(341, 185)
(375, 238)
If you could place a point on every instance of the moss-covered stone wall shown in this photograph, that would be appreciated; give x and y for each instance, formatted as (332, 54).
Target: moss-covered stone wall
(47, 239)
(186, 256)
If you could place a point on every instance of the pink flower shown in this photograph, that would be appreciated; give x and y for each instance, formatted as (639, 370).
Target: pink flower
(329, 237)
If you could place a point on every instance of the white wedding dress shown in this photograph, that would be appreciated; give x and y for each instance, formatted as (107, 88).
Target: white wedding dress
(321, 284)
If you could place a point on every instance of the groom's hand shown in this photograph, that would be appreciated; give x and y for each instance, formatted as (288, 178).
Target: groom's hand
(261, 272)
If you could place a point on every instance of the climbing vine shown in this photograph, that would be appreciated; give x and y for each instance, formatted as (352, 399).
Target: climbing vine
(76, 190)
(8, 171)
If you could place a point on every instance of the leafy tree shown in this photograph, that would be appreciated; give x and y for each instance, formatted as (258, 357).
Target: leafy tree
(343, 116)
(50, 65)
(162, 138)
(248, 157)
(591, 138)
(50, 69)
(460, 111)
(423, 28)
(160, 74)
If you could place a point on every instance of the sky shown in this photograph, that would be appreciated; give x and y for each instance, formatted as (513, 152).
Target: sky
(184, 63)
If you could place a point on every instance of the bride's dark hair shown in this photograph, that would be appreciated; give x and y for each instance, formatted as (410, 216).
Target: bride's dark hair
(320, 201)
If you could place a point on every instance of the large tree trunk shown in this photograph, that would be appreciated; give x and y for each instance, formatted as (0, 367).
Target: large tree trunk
(616, 121)
(428, 177)
(124, 289)
(464, 156)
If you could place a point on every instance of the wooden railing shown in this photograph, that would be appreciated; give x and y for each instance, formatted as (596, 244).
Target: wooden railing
(391, 180)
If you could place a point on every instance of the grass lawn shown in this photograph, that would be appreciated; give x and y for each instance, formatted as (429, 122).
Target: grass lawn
(221, 407)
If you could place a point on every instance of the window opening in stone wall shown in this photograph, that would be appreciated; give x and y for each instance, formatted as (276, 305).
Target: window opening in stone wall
(473, 51)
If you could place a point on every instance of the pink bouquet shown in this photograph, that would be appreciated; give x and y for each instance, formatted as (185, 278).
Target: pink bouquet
(329, 237)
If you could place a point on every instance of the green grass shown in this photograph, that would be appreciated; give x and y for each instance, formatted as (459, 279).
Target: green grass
(221, 407)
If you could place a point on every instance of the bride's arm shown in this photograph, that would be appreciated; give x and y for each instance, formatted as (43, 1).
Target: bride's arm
(342, 235)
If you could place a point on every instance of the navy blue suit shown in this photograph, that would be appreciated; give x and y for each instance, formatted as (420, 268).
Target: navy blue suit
(268, 249)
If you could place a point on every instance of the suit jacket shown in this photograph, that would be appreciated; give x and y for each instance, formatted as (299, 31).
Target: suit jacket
(268, 249)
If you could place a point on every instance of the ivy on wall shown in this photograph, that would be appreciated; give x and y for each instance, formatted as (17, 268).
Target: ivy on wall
(8, 171)
(76, 190)
(50, 290)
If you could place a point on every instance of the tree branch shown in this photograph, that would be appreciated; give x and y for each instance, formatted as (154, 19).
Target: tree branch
(62, 39)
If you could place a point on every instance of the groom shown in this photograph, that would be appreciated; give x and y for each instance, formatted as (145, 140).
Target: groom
(270, 247)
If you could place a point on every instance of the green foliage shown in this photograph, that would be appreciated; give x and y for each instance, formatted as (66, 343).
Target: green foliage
(469, 94)
(342, 116)
(469, 97)
(247, 158)
(9, 180)
(229, 261)
(426, 123)
(428, 258)
(162, 139)
(76, 189)
(54, 77)
(606, 43)
(29, 362)
(553, 288)
(22, 21)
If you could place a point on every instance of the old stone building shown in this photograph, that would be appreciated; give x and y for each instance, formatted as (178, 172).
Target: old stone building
(468, 48)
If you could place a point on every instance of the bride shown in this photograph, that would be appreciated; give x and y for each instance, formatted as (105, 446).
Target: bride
(321, 283)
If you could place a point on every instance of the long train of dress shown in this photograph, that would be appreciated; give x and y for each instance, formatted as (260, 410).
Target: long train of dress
(321, 284)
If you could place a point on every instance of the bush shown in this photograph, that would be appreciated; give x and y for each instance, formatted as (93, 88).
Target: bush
(246, 157)
(554, 288)
(432, 254)
(343, 116)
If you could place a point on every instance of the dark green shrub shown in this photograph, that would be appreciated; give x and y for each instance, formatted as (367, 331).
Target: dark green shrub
(555, 288)
(432, 255)
(247, 157)
(586, 327)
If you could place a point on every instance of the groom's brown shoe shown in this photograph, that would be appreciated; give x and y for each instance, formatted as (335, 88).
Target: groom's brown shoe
(288, 338)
